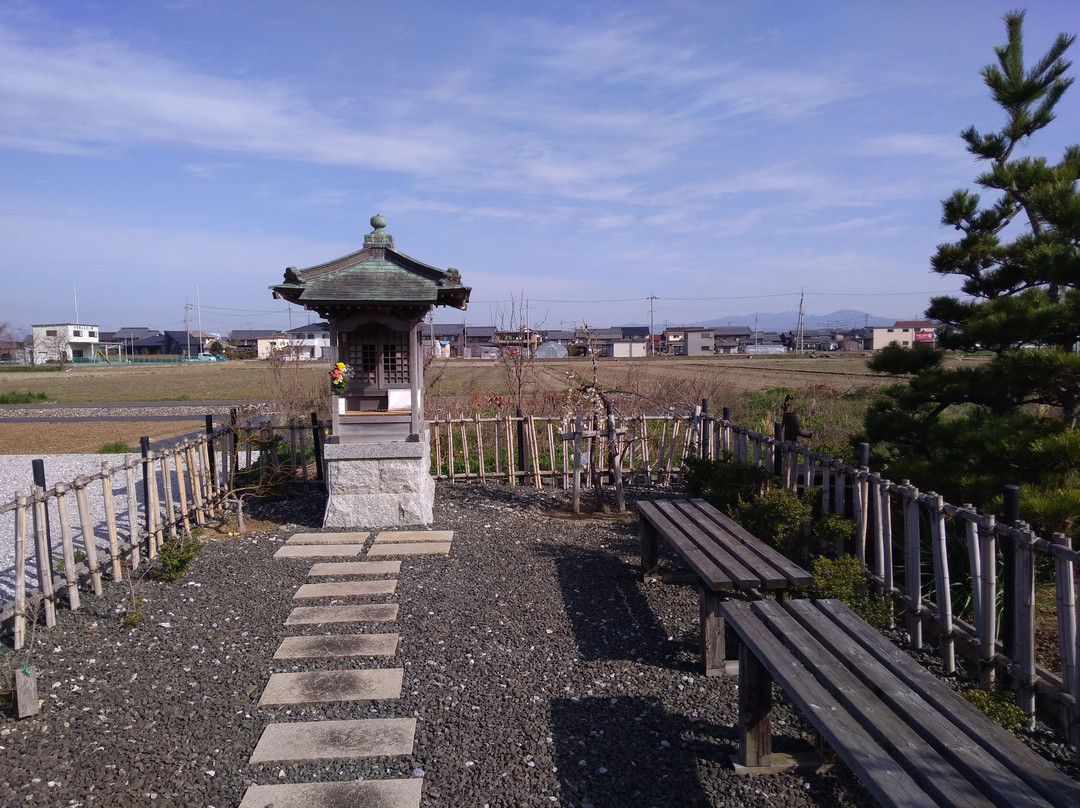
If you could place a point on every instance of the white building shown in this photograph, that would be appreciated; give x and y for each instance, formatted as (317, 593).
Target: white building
(904, 333)
(74, 341)
(305, 342)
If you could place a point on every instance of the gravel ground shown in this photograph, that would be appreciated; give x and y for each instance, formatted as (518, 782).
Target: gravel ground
(541, 670)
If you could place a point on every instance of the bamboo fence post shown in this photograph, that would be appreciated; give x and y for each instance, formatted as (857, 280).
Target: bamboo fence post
(208, 494)
(152, 529)
(511, 466)
(438, 447)
(912, 563)
(133, 511)
(645, 461)
(170, 506)
(1025, 619)
(808, 470)
(43, 557)
(181, 488)
(480, 446)
(1066, 611)
(110, 522)
(552, 455)
(578, 428)
(840, 490)
(861, 491)
(535, 453)
(971, 535)
(616, 467)
(758, 460)
(826, 486)
(874, 493)
(19, 627)
(67, 546)
(986, 628)
(887, 547)
(942, 583)
(301, 436)
(671, 453)
(564, 426)
(450, 447)
(86, 524)
(196, 489)
(465, 448)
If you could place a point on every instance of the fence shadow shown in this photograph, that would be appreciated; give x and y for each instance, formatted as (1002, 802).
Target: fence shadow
(628, 750)
(611, 618)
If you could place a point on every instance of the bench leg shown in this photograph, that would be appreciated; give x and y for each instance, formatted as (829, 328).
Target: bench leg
(755, 706)
(713, 650)
(650, 550)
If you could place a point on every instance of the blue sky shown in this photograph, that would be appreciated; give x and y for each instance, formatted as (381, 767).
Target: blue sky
(583, 157)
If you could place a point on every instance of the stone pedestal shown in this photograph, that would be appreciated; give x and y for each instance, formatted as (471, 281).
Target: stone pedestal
(373, 485)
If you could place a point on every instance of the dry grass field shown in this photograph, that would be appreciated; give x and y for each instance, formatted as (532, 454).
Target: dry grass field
(829, 387)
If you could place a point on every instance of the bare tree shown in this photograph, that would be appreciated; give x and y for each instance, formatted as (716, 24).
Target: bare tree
(516, 339)
(53, 347)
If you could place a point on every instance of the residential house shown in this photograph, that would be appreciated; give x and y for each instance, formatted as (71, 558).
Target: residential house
(905, 333)
(169, 343)
(248, 339)
(731, 339)
(70, 342)
(689, 341)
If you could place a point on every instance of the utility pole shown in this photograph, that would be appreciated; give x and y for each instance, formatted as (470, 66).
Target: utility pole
(187, 329)
(799, 328)
(651, 348)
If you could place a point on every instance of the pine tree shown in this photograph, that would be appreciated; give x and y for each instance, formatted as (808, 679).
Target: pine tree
(967, 430)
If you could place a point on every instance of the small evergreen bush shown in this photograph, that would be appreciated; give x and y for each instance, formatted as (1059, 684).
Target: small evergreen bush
(999, 705)
(845, 579)
(723, 482)
(777, 517)
(175, 556)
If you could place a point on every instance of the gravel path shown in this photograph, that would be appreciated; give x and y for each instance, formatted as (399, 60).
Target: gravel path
(541, 670)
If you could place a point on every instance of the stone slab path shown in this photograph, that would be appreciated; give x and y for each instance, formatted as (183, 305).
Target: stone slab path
(310, 741)
(337, 645)
(357, 613)
(366, 793)
(342, 568)
(345, 589)
(410, 549)
(314, 687)
(316, 551)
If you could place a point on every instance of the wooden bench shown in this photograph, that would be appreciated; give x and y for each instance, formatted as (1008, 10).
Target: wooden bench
(905, 734)
(725, 558)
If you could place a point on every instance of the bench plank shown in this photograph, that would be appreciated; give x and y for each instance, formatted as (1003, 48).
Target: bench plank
(734, 568)
(705, 568)
(1040, 774)
(884, 778)
(795, 574)
(878, 713)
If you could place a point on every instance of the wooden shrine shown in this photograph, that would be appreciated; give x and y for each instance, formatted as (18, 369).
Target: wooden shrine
(374, 301)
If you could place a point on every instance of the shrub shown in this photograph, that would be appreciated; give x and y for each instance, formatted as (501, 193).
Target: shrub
(777, 517)
(999, 705)
(830, 533)
(845, 579)
(724, 482)
(22, 398)
(114, 447)
(175, 556)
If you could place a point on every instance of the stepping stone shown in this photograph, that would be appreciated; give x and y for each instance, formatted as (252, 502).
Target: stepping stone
(411, 549)
(355, 613)
(355, 568)
(317, 550)
(372, 793)
(335, 740)
(328, 538)
(337, 645)
(410, 536)
(346, 589)
(314, 687)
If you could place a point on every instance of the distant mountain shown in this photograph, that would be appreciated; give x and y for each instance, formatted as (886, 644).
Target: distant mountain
(789, 320)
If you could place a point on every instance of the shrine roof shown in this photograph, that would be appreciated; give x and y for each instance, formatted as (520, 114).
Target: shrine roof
(377, 275)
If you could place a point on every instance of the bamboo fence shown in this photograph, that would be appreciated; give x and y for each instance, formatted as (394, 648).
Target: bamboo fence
(71, 535)
(942, 566)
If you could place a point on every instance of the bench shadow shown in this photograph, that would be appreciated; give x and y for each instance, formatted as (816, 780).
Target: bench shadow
(610, 617)
(628, 750)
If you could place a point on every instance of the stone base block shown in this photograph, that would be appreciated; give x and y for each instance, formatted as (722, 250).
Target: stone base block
(374, 485)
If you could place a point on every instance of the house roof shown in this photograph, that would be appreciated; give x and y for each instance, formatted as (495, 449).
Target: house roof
(309, 328)
(375, 277)
(913, 324)
(243, 335)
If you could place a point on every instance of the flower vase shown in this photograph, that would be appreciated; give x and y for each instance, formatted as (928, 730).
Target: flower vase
(340, 404)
